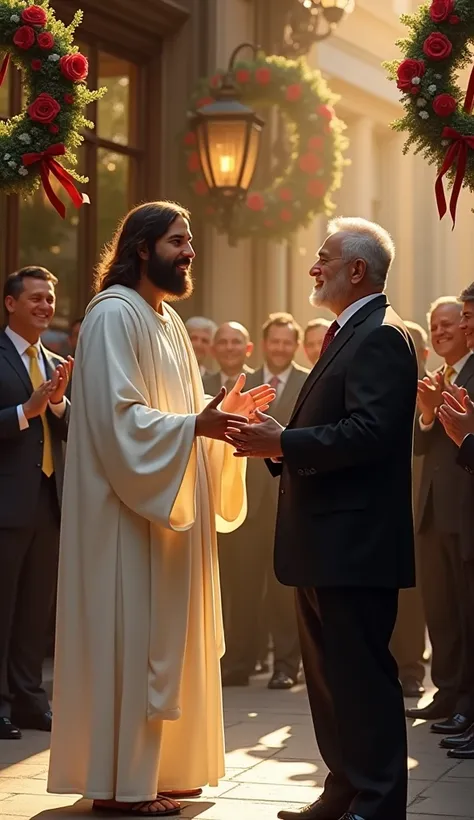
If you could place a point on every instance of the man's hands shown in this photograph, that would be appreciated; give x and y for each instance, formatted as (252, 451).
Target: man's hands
(214, 423)
(261, 440)
(52, 391)
(60, 380)
(430, 397)
(245, 404)
(456, 414)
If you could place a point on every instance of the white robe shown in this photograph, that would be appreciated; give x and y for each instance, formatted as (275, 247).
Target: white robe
(137, 694)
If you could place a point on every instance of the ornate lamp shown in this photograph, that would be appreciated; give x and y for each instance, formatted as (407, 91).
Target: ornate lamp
(228, 138)
(310, 21)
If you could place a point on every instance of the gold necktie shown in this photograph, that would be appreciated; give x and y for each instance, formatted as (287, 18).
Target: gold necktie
(37, 380)
(449, 374)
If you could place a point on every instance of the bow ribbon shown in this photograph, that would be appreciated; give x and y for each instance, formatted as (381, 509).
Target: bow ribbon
(49, 165)
(455, 155)
(4, 68)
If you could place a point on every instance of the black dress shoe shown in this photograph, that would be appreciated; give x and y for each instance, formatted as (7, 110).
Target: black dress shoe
(464, 753)
(235, 679)
(452, 726)
(8, 731)
(280, 680)
(433, 711)
(42, 723)
(412, 688)
(320, 810)
(457, 741)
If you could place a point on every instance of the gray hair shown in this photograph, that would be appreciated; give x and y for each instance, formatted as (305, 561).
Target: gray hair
(368, 241)
(443, 300)
(201, 323)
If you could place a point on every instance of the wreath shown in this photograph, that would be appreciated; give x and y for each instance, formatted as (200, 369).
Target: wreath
(313, 161)
(438, 116)
(54, 74)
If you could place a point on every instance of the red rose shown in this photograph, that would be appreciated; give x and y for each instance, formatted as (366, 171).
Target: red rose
(200, 187)
(440, 10)
(69, 99)
(310, 163)
(407, 71)
(204, 101)
(45, 40)
(44, 109)
(54, 129)
(190, 138)
(242, 75)
(444, 105)
(316, 143)
(24, 37)
(415, 89)
(255, 202)
(285, 194)
(454, 19)
(437, 46)
(316, 187)
(294, 92)
(194, 163)
(36, 65)
(263, 76)
(286, 215)
(35, 16)
(325, 111)
(75, 67)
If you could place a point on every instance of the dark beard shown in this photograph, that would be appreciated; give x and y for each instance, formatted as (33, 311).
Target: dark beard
(167, 278)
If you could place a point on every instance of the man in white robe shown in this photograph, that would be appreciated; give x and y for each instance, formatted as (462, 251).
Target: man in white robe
(137, 692)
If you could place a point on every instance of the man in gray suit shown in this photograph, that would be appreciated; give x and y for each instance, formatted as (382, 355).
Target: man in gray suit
(246, 555)
(231, 348)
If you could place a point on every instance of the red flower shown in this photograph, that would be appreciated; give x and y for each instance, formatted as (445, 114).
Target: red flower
(24, 37)
(263, 76)
(36, 65)
(74, 67)
(200, 187)
(54, 129)
(255, 202)
(215, 81)
(444, 105)
(194, 163)
(441, 9)
(204, 101)
(310, 163)
(285, 194)
(286, 215)
(437, 46)
(316, 143)
(242, 75)
(44, 109)
(69, 99)
(35, 16)
(190, 138)
(454, 19)
(316, 187)
(325, 111)
(415, 89)
(406, 73)
(45, 40)
(294, 92)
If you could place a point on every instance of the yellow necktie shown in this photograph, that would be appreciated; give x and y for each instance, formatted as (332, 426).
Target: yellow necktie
(449, 374)
(37, 380)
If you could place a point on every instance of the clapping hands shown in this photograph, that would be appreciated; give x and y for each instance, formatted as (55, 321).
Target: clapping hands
(456, 414)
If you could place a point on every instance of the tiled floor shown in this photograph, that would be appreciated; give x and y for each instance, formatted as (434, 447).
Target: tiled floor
(272, 761)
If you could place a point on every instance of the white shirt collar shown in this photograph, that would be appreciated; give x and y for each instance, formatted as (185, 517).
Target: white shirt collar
(458, 366)
(20, 343)
(268, 375)
(350, 310)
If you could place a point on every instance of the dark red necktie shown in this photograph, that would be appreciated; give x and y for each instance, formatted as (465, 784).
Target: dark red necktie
(331, 332)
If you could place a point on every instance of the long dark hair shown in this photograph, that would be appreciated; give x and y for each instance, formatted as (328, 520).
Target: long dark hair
(120, 263)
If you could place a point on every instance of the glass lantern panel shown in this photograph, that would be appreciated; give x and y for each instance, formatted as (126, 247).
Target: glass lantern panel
(251, 159)
(226, 150)
(202, 138)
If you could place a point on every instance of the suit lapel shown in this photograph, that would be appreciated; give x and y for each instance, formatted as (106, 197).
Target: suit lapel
(466, 373)
(13, 358)
(49, 362)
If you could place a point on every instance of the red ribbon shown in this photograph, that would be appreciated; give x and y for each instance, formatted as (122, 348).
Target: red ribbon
(4, 68)
(50, 165)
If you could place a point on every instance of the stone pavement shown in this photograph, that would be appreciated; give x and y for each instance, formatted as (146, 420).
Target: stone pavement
(272, 761)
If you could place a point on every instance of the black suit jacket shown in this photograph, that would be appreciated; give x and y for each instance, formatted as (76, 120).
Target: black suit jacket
(345, 502)
(446, 499)
(466, 454)
(21, 451)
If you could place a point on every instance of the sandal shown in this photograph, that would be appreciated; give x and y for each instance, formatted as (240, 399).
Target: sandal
(137, 809)
(183, 794)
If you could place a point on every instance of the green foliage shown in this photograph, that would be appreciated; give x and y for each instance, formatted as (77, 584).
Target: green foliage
(21, 134)
(314, 140)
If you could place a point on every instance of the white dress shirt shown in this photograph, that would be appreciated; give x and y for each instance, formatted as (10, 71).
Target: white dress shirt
(457, 367)
(21, 346)
(350, 310)
(283, 378)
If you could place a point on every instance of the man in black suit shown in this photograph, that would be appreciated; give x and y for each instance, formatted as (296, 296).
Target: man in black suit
(344, 533)
(33, 425)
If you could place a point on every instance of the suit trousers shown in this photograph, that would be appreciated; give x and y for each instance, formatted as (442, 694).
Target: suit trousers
(28, 560)
(408, 642)
(355, 697)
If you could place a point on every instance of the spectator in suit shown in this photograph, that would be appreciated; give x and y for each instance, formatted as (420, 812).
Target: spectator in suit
(313, 339)
(231, 348)
(201, 332)
(248, 580)
(408, 639)
(445, 526)
(33, 424)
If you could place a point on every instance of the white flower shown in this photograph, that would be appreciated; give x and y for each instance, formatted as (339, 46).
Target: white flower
(12, 163)
(7, 157)
(424, 115)
(437, 76)
(432, 89)
(25, 138)
(23, 171)
(53, 58)
(444, 143)
(15, 18)
(421, 102)
(416, 81)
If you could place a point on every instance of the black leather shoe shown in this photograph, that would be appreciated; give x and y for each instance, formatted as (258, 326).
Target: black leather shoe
(412, 688)
(8, 731)
(464, 753)
(235, 679)
(433, 711)
(42, 723)
(280, 680)
(316, 811)
(455, 725)
(457, 741)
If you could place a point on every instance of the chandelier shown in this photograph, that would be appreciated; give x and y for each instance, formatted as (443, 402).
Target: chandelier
(310, 21)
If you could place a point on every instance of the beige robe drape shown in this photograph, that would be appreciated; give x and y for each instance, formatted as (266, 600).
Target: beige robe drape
(137, 695)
